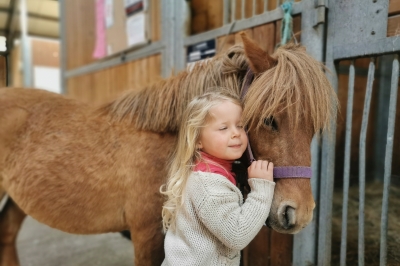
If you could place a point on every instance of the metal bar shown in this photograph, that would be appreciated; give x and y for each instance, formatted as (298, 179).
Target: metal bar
(265, 5)
(243, 8)
(363, 138)
(254, 8)
(25, 44)
(233, 10)
(63, 46)
(305, 242)
(388, 160)
(11, 11)
(324, 244)
(148, 50)
(167, 17)
(362, 49)
(226, 12)
(257, 20)
(181, 16)
(11, 21)
(347, 157)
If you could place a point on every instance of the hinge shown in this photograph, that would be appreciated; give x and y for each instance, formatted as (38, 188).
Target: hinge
(320, 10)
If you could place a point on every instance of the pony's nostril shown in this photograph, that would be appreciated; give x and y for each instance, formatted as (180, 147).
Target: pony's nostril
(288, 217)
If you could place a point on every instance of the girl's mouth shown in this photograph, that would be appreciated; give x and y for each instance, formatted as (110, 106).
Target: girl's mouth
(236, 146)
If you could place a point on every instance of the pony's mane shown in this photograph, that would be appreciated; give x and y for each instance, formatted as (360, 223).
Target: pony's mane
(159, 107)
(296, 84)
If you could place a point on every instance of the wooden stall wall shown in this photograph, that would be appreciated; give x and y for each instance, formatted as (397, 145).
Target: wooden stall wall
(208, 14)
(81, 30)
(102, 86)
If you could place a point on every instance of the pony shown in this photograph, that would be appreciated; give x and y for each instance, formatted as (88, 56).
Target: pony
(93, 169)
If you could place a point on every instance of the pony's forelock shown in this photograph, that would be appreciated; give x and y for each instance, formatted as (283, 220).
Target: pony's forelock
(297, 84)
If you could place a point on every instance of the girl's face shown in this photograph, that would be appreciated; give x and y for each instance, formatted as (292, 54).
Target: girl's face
(224, 136)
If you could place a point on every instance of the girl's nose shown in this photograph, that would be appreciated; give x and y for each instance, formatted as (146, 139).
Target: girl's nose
(235, 133)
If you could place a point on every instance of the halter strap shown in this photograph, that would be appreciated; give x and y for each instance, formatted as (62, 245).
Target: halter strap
(280, 171)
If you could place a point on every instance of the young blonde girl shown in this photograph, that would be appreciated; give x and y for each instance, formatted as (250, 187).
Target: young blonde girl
(204, 217)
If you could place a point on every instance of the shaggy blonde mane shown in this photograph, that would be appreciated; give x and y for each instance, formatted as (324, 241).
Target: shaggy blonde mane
(159, 107)
(296, 84)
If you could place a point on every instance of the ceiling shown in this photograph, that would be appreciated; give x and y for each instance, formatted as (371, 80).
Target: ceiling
(43, 18)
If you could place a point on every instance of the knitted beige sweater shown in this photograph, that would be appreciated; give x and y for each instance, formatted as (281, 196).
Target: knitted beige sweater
(214, 224)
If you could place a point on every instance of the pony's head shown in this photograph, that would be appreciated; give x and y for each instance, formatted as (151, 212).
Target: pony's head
(288, 101)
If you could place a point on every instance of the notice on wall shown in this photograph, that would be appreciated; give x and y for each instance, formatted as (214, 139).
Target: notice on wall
(135, 29)
(109, 13)
(202, 51)
(121, 25)
(134, 6)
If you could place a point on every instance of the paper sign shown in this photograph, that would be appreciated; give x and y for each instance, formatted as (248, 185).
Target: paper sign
(135, 29)
(109, 13)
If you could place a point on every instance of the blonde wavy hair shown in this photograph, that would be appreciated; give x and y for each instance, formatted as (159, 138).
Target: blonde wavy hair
(186, 154)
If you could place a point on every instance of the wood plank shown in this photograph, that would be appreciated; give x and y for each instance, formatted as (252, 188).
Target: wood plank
(3, 71)
(214, 14)
(281, 248)
(393, 27)
(199, 19)
(224, 42)
(257, 253)
(45, 53)
(80, 30)
(394, 7)
(16, 70)
(264, 35)
(155, 20)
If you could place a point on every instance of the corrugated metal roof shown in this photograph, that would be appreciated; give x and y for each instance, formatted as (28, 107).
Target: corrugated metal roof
(43, 18)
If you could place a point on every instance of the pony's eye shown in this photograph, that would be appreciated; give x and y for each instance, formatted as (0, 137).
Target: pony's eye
(271, 122)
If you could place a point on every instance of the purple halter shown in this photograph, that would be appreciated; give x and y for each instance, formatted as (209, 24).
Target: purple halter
(279, 172)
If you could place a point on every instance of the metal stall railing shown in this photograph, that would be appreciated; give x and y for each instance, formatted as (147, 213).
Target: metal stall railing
(172, 46)
(366, 37)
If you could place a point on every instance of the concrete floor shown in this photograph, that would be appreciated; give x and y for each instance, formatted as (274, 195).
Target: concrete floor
(40, 245)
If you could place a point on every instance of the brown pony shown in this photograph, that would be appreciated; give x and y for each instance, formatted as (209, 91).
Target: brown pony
(88, 170)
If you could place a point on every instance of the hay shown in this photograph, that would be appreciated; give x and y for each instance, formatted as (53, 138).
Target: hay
(373, 208)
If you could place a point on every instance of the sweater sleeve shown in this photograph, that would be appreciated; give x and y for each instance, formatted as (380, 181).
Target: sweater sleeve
(234, 225)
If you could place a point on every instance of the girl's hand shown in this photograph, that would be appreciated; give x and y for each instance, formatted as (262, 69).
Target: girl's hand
(261, 169)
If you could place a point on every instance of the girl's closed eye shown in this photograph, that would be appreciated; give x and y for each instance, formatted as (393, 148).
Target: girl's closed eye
(222, 128)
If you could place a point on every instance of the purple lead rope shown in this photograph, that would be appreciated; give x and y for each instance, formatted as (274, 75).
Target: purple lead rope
(279, 171)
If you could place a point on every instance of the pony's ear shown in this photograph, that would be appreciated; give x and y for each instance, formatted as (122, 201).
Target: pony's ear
(259, 60)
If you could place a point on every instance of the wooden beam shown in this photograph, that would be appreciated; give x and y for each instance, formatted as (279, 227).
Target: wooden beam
(394, 7)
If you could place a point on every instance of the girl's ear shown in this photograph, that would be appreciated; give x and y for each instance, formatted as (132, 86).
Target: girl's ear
(199, 145)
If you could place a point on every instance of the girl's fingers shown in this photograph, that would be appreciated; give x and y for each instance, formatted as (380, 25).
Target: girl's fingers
(270, 166)
(264, 165)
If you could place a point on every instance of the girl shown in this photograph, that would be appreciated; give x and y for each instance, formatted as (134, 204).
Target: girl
(204, 217)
